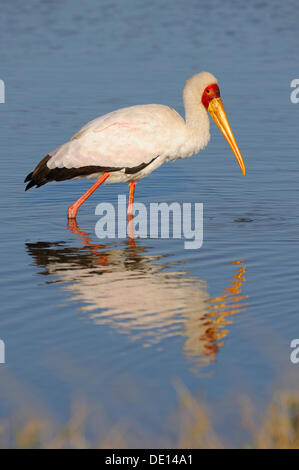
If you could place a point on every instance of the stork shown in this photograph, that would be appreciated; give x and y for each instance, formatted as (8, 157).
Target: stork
(128, 144)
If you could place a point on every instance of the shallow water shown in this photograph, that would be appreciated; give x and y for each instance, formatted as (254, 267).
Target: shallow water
(103, 317)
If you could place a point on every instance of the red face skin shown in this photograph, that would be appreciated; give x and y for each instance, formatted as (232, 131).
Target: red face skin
(209, 93)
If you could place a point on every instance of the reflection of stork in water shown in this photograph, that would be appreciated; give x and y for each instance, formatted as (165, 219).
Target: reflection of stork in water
(141, 295)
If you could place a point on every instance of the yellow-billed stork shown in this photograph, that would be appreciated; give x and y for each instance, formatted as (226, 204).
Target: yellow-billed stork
(128, 144)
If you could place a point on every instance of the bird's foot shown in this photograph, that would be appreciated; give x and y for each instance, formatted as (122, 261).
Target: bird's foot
(72, 211)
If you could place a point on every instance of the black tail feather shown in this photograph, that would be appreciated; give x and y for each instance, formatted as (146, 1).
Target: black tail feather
(30, 185)
(42, 174)
(28, 177)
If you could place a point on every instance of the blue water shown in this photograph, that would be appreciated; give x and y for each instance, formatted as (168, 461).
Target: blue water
(119, 323)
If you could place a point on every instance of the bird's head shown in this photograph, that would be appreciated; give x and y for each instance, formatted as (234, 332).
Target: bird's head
(209, 93)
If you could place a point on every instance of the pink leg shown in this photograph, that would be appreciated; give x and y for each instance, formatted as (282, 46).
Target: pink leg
(73, 209)
(131, 198)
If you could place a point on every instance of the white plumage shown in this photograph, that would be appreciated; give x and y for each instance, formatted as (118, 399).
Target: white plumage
(128, 144)
(131, 136)
(123, 139)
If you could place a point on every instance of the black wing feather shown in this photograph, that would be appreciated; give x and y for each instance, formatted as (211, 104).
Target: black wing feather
(42, 174)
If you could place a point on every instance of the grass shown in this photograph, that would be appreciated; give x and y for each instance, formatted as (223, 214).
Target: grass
(86, 427)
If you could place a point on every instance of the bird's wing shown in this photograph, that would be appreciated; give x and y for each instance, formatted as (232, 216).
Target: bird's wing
(124, 138)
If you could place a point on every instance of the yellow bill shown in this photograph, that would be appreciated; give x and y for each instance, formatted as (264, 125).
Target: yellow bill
(217, 112)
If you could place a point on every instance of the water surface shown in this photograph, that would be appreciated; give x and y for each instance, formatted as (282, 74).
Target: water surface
(105, 317)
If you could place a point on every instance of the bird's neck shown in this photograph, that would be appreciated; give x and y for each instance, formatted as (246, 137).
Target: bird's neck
(197, 121)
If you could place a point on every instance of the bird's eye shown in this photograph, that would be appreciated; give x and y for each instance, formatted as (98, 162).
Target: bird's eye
(208, 91)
